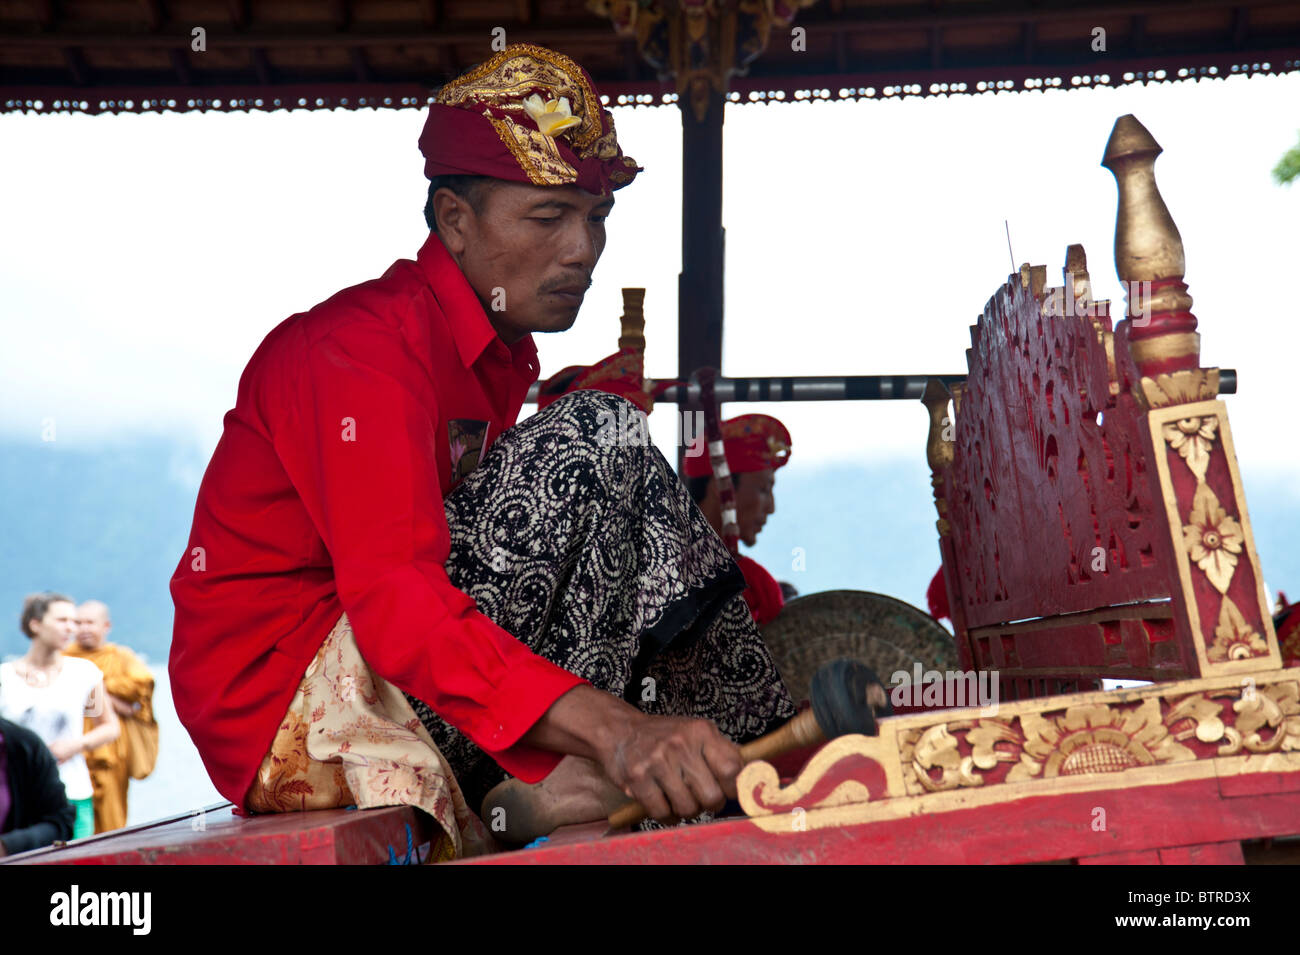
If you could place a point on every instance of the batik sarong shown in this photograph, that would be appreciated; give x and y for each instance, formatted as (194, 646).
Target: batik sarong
(582, 542)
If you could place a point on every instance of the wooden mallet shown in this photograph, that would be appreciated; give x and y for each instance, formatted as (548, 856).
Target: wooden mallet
(846, 697)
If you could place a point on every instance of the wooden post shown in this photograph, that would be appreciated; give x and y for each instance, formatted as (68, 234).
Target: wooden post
(699, 287)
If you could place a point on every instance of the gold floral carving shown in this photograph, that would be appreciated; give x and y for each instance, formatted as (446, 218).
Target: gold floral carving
(1277, 707)
(1181, 387)
(1193, 439)
(1212, 538)
(1095, 739)
(1086, 739)
(1235, 639)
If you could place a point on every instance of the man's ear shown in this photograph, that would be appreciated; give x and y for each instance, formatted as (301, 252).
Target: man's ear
(454, 216)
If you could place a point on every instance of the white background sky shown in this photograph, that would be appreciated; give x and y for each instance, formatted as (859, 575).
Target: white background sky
(142, 258)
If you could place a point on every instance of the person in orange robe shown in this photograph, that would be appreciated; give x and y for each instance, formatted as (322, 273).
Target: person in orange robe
(756, 445)
(130, 691)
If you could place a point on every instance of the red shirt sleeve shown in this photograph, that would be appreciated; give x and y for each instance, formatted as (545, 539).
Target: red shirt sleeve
(356, 433)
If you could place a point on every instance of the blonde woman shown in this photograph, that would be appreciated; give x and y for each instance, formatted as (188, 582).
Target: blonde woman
(51, 694)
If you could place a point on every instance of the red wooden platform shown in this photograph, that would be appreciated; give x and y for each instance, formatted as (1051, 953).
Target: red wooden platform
(216, 836)
(1223, 821)
(1198, 822)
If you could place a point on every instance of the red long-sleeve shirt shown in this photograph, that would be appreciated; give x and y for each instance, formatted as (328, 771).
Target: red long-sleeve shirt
(325, 495)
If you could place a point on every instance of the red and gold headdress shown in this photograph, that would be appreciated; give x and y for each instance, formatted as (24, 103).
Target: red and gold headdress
(530, 115)
(622, 373)
(752, 442)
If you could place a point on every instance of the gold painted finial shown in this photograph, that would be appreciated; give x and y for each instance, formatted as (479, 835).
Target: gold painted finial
(938, 448)
(1075, 274)
(1147, 244)
(633, 320)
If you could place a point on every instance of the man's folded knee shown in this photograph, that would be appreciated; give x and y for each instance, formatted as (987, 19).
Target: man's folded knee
(607, 419)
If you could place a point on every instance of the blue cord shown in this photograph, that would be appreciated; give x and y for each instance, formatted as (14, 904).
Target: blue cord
(410, 850)
(537, 842)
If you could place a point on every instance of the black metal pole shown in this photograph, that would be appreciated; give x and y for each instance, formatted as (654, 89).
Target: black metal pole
(836, 388)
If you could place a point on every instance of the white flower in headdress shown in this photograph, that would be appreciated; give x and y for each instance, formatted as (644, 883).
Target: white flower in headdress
(551, 116)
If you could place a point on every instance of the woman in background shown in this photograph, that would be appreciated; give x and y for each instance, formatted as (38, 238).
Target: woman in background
(50, 694)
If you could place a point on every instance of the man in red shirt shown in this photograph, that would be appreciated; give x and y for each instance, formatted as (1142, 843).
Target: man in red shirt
(392, 594)
(755, 445)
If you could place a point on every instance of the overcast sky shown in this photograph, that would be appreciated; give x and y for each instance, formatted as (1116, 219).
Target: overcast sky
(144, 257)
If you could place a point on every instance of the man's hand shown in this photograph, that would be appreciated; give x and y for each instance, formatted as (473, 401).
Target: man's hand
(65, 749)
(675, 766)
(122, 707)
(672, 765)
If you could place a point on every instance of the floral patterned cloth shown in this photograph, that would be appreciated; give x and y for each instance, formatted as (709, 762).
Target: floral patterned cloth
(350, 738)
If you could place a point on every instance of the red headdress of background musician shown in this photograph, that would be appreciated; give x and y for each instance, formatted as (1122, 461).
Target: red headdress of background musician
(752, 442)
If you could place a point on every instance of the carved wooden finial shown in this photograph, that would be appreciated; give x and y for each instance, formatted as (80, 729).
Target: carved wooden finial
(1075, 274)
(938, 450)
(938, 445)
(1149, 257)
(633, 320)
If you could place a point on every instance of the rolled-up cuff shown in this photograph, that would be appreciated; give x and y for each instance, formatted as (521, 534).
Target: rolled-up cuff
(520, 701)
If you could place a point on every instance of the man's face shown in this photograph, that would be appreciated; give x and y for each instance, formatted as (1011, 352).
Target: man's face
(92, 627)
(528, 253)
(754, 501)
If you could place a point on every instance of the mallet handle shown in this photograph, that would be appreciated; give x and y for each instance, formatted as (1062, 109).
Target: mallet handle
(801, 731)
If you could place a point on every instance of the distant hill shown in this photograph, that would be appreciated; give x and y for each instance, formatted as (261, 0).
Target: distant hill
(111, 523)
(108, 523)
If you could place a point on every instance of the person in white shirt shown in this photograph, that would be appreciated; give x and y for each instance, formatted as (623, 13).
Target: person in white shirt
(51, 694)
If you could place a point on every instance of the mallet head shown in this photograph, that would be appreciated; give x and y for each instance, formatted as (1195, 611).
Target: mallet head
(847, 696)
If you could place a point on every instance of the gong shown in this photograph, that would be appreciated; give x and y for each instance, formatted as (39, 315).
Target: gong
(885, 634)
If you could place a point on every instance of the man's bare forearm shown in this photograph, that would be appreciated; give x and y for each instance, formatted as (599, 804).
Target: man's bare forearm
(584, 722)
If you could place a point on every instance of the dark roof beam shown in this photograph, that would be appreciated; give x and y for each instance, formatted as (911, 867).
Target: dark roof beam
(431, 13)
(631, 60)
(181, 64)
(153, 12)
(1240, 26)
(526, 10)
(1006, 11)
(1028, 41)
(451, 65)
(1138, 35)
(76, 66)
(468, 36)
(936, 49)
(359, 65)
(238, 10)
(340, 14)
(47, 14)
(262, 65)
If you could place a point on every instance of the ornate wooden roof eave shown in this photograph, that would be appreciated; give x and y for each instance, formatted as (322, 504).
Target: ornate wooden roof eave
(758, 88)
(317, 55)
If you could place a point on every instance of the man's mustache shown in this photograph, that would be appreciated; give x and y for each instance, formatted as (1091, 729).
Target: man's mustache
(578, 281)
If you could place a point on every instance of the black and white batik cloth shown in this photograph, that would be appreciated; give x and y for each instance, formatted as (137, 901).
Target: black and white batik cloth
(590, 551)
